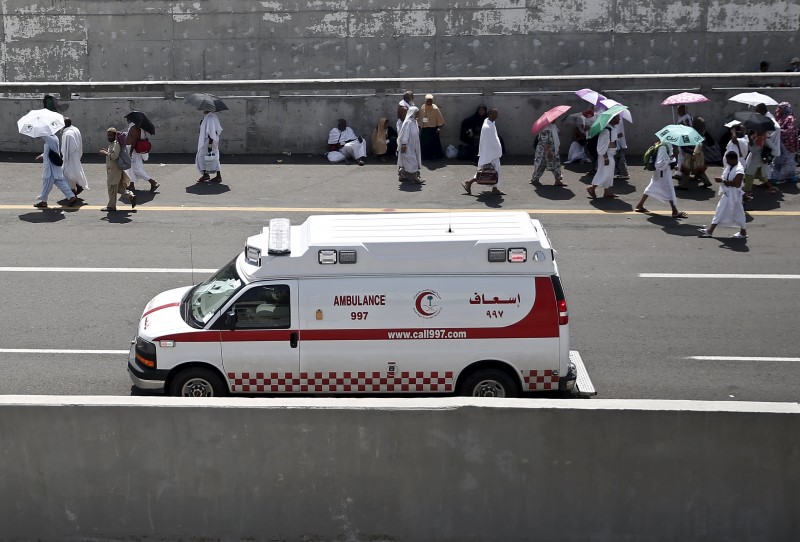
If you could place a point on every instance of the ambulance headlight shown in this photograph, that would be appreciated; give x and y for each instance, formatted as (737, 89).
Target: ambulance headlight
(326, 257)
(252, 255)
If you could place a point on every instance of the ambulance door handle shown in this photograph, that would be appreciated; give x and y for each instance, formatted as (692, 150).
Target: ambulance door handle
(293, 339)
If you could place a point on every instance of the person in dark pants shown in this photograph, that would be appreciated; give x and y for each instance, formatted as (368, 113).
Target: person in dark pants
(430, 122)
(470, 134)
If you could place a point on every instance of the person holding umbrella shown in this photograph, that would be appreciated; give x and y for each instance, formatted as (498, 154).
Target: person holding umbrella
(139, 147)
(605, 125)
(661, 187)
(46, 124)
(547, 150)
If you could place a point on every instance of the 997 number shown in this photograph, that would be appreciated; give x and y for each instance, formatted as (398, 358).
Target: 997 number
(358, 315)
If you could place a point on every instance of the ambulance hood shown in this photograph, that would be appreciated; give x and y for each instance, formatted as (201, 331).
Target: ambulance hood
(162, 314)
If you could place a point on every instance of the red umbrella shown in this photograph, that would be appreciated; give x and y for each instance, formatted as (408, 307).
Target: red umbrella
(548, 118)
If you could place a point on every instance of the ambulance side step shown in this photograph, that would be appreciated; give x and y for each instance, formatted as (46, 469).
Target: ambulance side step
(583, 385)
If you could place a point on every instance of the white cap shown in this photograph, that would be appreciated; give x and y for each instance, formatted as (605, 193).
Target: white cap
(733, 123)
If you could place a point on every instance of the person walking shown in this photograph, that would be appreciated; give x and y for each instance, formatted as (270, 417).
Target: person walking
(606, 149)
(409, 157)
(694, 160)
(137, 171)
(52, 174)
(430, 121)
(72, 151)
(208, 144)
(115, 180)
(738, 143)
(489, 152)
(661, 187)
(730, 210)
(547, 157)
(784, 166)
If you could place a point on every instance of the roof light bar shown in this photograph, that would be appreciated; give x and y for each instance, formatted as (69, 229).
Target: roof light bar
(279, 242)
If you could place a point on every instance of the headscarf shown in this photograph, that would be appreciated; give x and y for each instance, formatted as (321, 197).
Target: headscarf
(379, 137)
(409, 126)
(474, 122)
(786, 120)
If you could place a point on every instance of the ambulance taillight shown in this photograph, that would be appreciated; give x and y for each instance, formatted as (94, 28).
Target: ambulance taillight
(561, 301)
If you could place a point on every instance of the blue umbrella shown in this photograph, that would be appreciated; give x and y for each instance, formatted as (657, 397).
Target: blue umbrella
(678, 134)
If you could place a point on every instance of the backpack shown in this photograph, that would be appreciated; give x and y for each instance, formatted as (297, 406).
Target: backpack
(55, 158)
(649, 158)
(124, 160)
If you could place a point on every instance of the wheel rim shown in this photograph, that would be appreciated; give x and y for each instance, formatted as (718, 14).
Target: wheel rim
(489, 388)
(197, 387)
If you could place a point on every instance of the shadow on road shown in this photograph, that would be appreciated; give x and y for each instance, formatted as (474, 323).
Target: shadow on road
(43, 216)
(673, 226)
(551, 192)
(208, 189)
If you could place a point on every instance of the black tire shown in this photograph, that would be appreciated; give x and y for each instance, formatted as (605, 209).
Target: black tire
(197, 382)
(488, 383)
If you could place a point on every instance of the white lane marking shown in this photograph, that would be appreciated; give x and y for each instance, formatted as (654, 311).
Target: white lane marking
(59, 351)
(740, 358)
(103, 270)
(714, 276)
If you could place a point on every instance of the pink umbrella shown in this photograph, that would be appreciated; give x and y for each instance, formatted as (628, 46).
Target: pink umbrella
(548, 118)
(591, 96)
(685, 98)
(608, 103)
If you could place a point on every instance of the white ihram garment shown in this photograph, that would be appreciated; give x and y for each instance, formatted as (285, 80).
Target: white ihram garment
(490, 150)
(210, 127)
(411, 160)
(661, 186)
(351, 147)
(72, 151)
(730, 211)
(137, 171)
(604, 177)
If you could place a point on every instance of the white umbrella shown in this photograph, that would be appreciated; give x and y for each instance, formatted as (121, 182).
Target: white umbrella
(608, 103)
(753, 98)
(40, 122)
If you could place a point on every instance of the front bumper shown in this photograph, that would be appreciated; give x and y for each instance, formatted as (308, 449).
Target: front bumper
(142, 377)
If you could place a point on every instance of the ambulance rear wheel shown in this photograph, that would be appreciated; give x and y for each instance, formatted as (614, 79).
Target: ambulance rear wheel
(197, 382)
(488, 383)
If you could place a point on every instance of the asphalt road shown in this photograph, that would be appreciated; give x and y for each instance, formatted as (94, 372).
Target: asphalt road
(638, 336)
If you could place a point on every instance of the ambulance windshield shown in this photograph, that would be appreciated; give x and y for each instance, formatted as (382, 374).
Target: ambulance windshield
(212, 294)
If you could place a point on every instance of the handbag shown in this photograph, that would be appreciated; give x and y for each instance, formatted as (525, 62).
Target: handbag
(143, 146)
(486, 175)
(211, 162)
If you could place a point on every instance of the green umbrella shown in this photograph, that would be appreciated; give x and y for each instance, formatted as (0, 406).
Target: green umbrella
(680, 135)
(604, 118)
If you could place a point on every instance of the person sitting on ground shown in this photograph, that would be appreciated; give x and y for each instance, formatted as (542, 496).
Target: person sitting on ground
(384, 140)
(343, 143)
(470, 134)
(577, 149)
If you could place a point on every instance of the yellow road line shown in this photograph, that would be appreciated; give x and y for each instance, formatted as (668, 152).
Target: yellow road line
(222, 209)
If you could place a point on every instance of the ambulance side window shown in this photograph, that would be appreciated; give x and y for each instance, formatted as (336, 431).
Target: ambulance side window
(263, 307)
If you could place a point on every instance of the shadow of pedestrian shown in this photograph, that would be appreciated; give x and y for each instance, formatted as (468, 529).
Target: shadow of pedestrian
(622, 186)
(409, 186)
(119, 216)
(610, 205)
(673, 226)
(551, 192)
(433, 165)
(696, 194)
(495, 201)
(735, 245)
(764, 202)
(43, 216)
(207, 189)
(144, 197)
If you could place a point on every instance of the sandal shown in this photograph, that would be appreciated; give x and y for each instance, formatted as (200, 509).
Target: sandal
(154, 187)
(592, 193)
(559, 183)
(682, 214)
(642, 210)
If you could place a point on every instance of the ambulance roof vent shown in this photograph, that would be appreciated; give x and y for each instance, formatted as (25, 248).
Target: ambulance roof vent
(279, 242)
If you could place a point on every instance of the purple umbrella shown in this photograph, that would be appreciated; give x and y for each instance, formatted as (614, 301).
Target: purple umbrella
(591, 96)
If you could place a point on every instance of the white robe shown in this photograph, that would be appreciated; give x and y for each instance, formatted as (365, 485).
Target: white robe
(72, 151)
(351, 147)
(605, 173)
(137, 170)
(210, 127)
(411, 160)
(661, 186)
(730, 210)
(490, 150)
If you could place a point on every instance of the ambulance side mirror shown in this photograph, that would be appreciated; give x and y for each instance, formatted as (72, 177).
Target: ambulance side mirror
(231, 319)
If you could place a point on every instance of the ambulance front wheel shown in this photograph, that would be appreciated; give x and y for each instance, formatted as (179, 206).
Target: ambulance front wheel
(197, 382)
(488, 383)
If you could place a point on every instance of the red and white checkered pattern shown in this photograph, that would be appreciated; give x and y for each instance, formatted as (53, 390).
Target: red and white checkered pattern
(540, 380)
(344, 382)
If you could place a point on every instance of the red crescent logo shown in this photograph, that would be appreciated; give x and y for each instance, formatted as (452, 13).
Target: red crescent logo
(426, 311)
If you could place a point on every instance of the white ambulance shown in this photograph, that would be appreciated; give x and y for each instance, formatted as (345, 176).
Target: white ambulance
(437, 303)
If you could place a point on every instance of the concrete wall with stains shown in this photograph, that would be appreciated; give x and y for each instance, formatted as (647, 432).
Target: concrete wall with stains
(104, 40)
(381, 470)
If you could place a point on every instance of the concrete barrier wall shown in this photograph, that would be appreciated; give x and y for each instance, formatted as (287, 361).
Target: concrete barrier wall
(300, 124)
(83, 468)
(94, 40)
